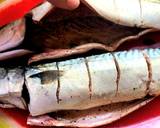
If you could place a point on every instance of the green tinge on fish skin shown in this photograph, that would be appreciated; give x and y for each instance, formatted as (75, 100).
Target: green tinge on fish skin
(154, 1)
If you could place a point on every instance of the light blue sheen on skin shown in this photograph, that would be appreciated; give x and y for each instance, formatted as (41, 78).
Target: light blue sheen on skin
(152, 53)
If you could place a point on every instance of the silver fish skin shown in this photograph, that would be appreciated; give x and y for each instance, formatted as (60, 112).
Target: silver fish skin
(11, 86)
(93, 81)
(140, 13)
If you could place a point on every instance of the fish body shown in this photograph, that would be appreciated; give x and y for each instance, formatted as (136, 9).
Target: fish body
(74, 91)
(93, 81)
(140, 13)
(84, 83)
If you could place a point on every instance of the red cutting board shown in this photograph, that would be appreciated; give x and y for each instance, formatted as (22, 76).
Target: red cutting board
(13, 9)
(147, 116)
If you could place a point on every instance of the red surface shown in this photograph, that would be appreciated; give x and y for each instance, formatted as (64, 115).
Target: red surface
(15, 9)
(147, 116)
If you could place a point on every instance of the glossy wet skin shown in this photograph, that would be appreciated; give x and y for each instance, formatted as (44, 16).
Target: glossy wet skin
(54, 36)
